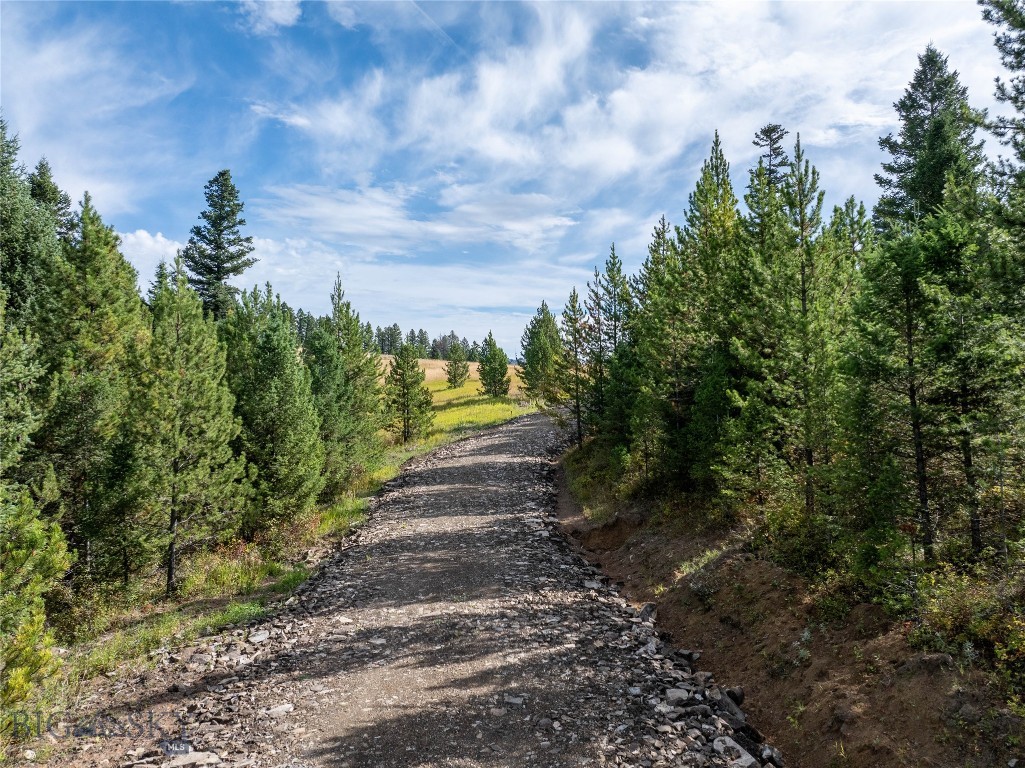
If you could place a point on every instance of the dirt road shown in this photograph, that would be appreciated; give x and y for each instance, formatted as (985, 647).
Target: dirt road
(456, 629)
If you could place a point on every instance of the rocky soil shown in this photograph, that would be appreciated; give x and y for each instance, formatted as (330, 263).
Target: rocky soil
(457, 628)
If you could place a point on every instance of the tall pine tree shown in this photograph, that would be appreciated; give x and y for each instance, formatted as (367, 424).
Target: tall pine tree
(217, 250)
(183, 423)
(280, 433)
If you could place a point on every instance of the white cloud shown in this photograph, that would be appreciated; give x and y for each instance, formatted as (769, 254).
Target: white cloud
(267, 16)
(78, 99)
(490, 152)
(145, 251)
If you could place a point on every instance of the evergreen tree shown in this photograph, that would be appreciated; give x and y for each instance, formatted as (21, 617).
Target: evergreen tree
(216, 250)
(620, 366)
(655, 327)
(409, 399)
(770, 139)
(706, 295)
(895, 321)
(92, 345)
(280, 433)
(1009, 17)
(33, 558)
(574, 345)
(457, 369)
(44, 190)
(937, 137)
(345, 385)
(494, 369)
(542, 359)
(598, 353)
(183, 424)
(30, 253)
(809, 293)
(423, 343)
(32, 553)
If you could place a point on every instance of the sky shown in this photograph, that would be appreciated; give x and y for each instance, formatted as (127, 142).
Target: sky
(455, 163)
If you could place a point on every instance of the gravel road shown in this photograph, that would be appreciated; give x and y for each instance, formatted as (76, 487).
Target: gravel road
(457, 628)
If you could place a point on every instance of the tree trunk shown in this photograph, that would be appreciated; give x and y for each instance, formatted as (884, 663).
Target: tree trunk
(172, 528)
(967, 460)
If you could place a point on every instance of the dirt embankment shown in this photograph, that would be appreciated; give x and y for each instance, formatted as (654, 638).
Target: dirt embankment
(849, 691)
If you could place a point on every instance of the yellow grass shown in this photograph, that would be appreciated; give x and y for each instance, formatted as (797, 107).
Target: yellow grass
(458, 411)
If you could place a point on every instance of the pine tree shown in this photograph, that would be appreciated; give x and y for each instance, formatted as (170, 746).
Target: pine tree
(91, 345)
(598, 353)
(348, 395)
(409, 400)
(494, 369)
(895, 321)
(574, 345)
(706, 297)
(770, 139)
(280, 426)
(183, 423)
(620, 366)
(216, 249)
(654, 327)
(803, 200)
(1009, 17)
(32, 553)
(423, 344)
(44, 190)
(542, 359)
(33, 558)
(30, 253)
(937, 137)
(457, 369)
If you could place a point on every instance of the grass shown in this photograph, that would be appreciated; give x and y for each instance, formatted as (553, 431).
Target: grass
(594, 473)
(235, 584)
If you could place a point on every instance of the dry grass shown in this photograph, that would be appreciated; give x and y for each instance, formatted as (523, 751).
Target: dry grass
(435, 372)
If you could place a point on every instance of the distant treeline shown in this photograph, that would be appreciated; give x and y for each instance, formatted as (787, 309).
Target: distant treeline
(390, 340)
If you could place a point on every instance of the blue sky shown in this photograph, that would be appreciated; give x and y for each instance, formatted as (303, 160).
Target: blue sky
(456, 162)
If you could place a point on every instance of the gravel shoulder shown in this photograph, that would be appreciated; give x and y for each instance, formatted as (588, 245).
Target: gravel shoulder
(457, 628)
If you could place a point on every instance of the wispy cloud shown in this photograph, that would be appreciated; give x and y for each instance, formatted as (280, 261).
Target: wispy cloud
(268, 16)
(482, 153)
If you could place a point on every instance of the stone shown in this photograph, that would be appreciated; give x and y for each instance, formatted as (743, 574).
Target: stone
(770, 754)
(592, 584)
(259, 637)
(738, 756)
(280, 710)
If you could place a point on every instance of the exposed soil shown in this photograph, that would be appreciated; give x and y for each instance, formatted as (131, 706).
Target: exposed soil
(457, 628)
(845, 692)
